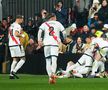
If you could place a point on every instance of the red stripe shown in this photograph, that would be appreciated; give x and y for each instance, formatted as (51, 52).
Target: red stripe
(55, 37)
(13, 38)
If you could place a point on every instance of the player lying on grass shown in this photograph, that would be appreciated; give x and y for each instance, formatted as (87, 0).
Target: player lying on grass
(83, 66)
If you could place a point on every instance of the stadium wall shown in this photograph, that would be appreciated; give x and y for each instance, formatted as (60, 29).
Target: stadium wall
(29, 8)
(0, 11)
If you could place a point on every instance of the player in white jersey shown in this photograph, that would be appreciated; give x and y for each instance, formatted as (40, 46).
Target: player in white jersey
(16, 49)
(102, 51)
(83, 66)
(51, 41)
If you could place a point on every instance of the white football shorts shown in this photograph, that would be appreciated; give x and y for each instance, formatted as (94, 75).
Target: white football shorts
(51, 51)
(17, 51)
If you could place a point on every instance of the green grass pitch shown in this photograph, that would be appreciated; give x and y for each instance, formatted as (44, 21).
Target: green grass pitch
(40, 82)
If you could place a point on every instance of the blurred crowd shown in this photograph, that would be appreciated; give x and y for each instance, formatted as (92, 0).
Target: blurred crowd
(80, 22)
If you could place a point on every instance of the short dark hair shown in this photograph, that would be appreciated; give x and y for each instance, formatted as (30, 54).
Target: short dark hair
(19, 17)
(69, 36)
(92, 35)
(50, 15)
(59, 1)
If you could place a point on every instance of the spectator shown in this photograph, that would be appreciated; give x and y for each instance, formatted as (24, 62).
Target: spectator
(37, 20)
(95, 22)
(86, 33)
(42, 16)
(81, 8)
(93, 31)
(71, 17)
(9, 20)
(87, 44)
(70, 43)
(81, 5)
(73, 32)
(79, 46)
(30, 28)
(2, 48)
(4, 28)
(62, 48)
(94, 8)
(103, 12)
(70, 28)
(61, 13)
(0, 24)
(4, 24)
(105, 31)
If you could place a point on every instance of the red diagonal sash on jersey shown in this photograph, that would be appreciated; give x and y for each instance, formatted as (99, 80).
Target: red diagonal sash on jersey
(13, 38)
(51, 32)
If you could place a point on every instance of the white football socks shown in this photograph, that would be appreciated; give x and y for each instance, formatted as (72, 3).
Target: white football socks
(78, 75)
(72, 67)
(51, 65)
(95, 67)
(13, 66)
(19, 65)
(54, 65)
(48, 66)
(101, 66)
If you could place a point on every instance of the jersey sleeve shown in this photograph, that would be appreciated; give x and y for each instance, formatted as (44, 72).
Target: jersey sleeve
(18, 28)
(42, 27)
(62, 29)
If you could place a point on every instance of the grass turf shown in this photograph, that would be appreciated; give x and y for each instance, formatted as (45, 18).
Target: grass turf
(40, 82)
